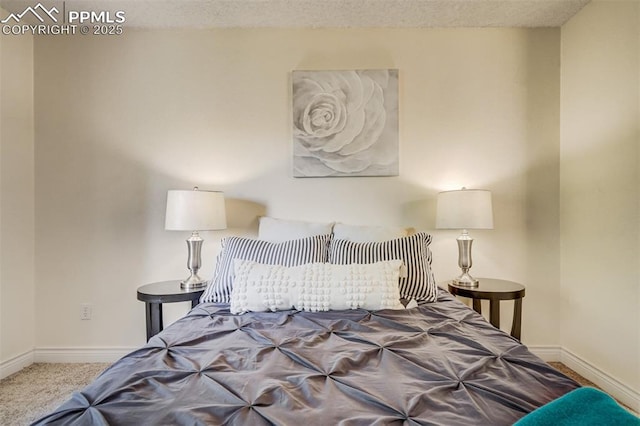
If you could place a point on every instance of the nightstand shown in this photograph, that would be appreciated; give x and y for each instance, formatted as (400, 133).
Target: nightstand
(494, 291)
(155, 294)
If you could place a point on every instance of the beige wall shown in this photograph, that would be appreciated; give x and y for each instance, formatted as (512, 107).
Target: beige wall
(119, 120)
(600, 187)
(17, 309)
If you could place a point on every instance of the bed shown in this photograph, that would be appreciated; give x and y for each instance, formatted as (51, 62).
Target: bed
(319, 355)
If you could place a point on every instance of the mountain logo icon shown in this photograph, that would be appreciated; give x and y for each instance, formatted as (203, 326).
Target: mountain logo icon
(39, 11)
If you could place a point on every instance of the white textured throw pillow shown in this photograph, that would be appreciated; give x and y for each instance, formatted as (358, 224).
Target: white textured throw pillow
(315, 287)
(280, 230)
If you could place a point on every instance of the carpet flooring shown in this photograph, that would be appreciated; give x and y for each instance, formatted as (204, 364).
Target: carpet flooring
(40, 388)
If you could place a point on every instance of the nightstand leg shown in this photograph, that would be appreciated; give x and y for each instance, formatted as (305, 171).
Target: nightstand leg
(494, 313)
(477, 305)
(517, 318)
(154, 319)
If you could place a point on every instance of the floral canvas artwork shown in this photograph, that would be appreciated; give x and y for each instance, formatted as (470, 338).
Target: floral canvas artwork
(345, 123)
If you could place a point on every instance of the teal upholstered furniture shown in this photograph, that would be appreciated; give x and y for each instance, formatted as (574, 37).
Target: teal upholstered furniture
(581, 407)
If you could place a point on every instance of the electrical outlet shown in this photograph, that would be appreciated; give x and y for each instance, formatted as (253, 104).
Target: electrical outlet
(85, 311)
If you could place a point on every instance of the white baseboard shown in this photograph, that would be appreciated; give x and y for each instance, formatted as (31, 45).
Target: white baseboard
(547, 353)
(62, 355)
(76, 355)
(605, 381)
(16, 364)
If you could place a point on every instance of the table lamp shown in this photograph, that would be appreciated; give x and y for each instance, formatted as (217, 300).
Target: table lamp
(464, 209)
(194, 211)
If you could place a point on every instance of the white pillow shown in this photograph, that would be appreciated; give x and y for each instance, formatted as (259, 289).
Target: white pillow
(279, 230)
(367, 234)
(315, 287)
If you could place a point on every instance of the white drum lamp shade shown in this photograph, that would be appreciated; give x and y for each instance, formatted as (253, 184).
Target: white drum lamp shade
(195, 210)
(464, 209)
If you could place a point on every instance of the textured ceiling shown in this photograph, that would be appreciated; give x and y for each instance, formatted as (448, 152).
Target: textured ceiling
(325, 13)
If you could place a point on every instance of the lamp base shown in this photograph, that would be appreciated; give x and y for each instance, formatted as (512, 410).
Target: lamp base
(466, 280)
(194, 244)
(464, 261)
(193, 282)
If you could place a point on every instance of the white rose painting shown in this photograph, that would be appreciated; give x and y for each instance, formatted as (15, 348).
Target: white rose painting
(345, 123)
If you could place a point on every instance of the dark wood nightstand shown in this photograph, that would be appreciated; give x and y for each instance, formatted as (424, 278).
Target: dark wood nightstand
(155, 294)
(494, 291)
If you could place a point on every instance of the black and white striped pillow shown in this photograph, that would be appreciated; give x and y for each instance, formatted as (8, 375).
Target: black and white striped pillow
(287, 253)
(418, 282)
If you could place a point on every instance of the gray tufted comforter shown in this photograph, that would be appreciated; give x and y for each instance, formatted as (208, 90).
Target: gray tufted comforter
(437, 364)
